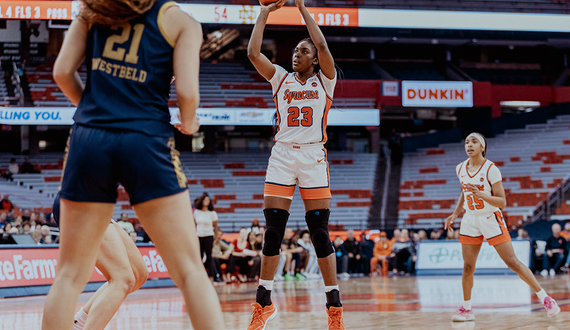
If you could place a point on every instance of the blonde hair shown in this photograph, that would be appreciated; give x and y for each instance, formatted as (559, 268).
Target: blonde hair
(113, 12)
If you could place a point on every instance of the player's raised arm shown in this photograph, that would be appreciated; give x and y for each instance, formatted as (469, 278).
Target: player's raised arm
(187, 33)
(70, 57)
(261, 63)
(326, 61)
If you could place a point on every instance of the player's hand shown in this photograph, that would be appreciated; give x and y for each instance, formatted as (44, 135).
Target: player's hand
(273, 6)
(449, 222)
(300, 3)
(470, 188)
(191, 129)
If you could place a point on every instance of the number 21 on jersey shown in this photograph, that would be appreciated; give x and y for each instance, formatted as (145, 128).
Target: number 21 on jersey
(119, 54)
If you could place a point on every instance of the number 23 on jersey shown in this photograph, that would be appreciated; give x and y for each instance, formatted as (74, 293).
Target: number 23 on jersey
(300, 117)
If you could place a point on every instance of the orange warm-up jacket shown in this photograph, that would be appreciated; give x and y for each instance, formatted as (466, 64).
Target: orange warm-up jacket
(383, 249)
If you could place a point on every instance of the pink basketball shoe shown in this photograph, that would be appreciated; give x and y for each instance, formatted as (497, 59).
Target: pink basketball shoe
(551, 307)
(463, 315)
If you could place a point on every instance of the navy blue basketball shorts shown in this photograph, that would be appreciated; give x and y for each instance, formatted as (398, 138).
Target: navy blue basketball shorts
(98, 160)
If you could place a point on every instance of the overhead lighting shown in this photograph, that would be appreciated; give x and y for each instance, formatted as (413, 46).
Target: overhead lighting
(520, 104)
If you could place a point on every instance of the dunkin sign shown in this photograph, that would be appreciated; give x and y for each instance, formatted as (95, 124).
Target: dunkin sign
(437, 94)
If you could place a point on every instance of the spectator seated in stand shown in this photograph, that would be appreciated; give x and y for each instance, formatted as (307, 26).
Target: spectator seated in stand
(255, 259)
(555, 252)
(367, 248)
(6, 204)
(124, 223)
(13, 169)
(354, 252)
(242, 254)
(27, 167)
(382, 252)
(311, 266)
(292, 252)
(402, 251)
(566, 234)
(3, 220)
(46, 236)
(222, 255)
(341, 258)
(37, 236)
(26, 228)
(254, 226)
(134, 237)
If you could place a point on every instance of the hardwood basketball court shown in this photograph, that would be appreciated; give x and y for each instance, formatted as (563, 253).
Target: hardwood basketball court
(499, 302)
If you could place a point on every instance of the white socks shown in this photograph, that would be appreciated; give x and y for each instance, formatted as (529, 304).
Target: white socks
(80, 319)
(330, 288)
(541, 295)
(467, 304)
(268, 285)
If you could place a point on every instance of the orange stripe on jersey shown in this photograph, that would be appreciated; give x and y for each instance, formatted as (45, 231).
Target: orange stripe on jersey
(279, 87)
(325, 118)
(488, 179)
(321, 80)
(315, 193)
(467, 169)
(278, 190)
(505, 236)
(327, 161)
(303, 83)
(470, 240)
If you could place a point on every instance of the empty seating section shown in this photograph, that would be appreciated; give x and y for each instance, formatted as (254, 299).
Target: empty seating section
(509, 77)
(412, 70)
(234, 181)
(3, 90)
(221, 85)
(526, 6)
(532, 164)
(357, 70)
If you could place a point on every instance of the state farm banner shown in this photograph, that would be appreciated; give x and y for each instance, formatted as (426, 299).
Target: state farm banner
(38, 266)
(435, 255)
(437, 94)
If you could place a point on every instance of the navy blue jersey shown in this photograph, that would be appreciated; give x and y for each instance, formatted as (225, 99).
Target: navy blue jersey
(129, 68)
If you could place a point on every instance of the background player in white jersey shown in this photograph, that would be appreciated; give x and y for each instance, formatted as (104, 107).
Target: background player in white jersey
(302, 98)
(482, 197)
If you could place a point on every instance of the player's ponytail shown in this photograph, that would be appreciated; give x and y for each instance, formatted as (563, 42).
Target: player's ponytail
(113, 12)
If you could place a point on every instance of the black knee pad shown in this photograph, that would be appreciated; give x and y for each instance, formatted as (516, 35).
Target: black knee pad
(318, 223)
(275, 223)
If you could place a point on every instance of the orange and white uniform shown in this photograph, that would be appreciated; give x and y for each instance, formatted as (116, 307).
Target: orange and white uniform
(299, 156)
(481, 220)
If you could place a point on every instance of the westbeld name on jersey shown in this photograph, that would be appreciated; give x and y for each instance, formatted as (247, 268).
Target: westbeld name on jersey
(121, 71)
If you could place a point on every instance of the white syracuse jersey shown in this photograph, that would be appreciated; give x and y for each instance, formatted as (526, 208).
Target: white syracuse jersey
(484, 178)
(302, 107)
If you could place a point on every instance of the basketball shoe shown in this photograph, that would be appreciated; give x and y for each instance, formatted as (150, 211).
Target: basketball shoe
(261, 316)
(551, 307)
(463, 315)
(335, 318)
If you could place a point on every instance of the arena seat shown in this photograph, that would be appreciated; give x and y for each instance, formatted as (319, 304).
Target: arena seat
(222, 84)
(530, 174)
(234, 181)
